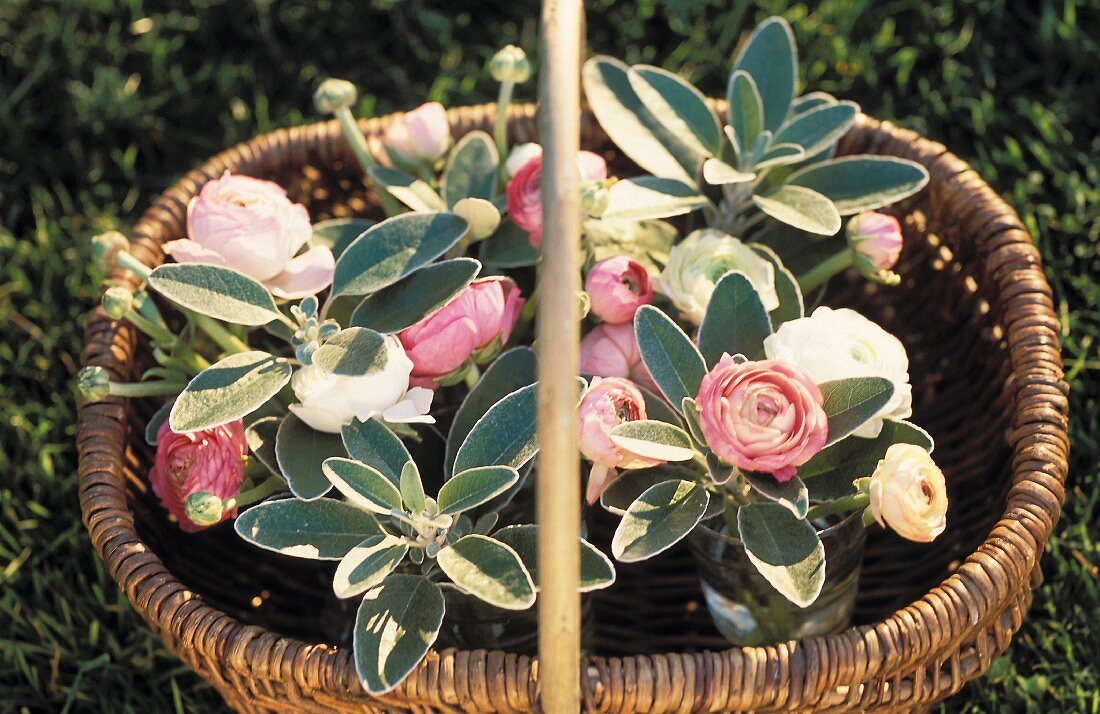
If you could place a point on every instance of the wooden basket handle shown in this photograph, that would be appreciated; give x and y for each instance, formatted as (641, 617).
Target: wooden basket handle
(558, 346)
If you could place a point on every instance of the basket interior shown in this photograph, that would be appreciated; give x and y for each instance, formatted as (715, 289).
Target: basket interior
(959, 368)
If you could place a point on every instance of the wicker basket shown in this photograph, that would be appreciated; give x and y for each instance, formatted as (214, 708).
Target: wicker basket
(976, 315)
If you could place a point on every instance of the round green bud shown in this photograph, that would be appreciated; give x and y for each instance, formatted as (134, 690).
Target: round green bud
(510, 65)
(93, 383)
(334, 94)
(594, 197)
(106, 246)
(117, 302)
(204, 508)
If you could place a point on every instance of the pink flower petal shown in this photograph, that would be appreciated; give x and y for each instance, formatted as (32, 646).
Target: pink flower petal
(188, 251)
(308, 274)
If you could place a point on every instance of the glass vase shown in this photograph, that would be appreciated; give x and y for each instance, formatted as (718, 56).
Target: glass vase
(747, 610)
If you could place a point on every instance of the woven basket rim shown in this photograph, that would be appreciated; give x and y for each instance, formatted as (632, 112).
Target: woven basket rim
(1002, 571)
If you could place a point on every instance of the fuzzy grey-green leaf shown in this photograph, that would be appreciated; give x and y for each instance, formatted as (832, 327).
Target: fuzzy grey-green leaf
(849, 403)
(735, 322)
(505, 435)
(300, 451)
(597, 571)
(473, 487)
(829, 474)
(785, 549)
(508, 247)
(367, 564)
(325, 529)
(372, 443)
(215, 291)
(790, 494)
(228, 390)
(648, 197)
(818, 128)
(679, 107)
(488, 570)
(771, 57)
(659, 518)
(355, 352)
(672, 360)
(653, 440)
(416, 296)
(471, 169)
(862, 183)
(396, 624)
(791, 306)
(362, 485)
(392, 249)
(338, 233)
(800, 207)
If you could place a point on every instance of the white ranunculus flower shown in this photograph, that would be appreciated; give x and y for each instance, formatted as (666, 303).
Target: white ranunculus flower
(521, 154)
(698, 262)
(329, 401)
(839, 344)
(909, 494)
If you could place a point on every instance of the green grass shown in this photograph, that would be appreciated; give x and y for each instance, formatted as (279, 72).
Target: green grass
(103, 102)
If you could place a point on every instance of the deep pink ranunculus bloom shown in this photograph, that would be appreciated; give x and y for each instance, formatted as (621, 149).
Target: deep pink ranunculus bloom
(481, 315)
(604, 405)
(251, 226)
(617, 287)
(612, 351)
(762, 416)
(524, 191)
(208, 460)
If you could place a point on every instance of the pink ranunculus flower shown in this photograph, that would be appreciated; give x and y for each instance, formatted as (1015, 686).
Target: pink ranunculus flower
(611, 350)
(420, 136)
(909, 493)
(524, 191)
(762, 416)
(478, 320)
(604, 405)
(210, 460)
(251, 226)
(617, 287)
(877, 241)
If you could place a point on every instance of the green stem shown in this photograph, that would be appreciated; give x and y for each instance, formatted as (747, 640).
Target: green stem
(841, 505)
(225, 339)
(820, 273)
(135, 266)
(362, 153)
(257, 493)
(156, 332)
(144, 389)
(500, 128)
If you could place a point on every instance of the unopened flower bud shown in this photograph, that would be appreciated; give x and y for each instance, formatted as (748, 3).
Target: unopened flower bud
(204, 508)
(510, 64)
(94, 383)
(594, 197)
(876, 240)
(106, 246)
(334, 94)
(117, 302)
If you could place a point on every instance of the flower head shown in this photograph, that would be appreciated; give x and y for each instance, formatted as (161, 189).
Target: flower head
(524, 190)
(211, 461)
(479, 318)
(420, 136)
(334, 94)
(698, 262)
(877, 241)
(840, 344)
(327, 401)
(611, 350)
(909, 493)
(762, 416)
(604, 405)
(617, 287)
(510, 64)
(251, 226)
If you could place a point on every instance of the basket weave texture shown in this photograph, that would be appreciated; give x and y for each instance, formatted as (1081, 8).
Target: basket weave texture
(976, 315)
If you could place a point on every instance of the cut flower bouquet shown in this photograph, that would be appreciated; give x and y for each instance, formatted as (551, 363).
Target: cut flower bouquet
(364, 392)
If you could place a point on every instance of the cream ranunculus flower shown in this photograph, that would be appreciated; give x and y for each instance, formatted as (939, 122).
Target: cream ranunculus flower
(839, 344)
(698, 262)
(909, 494)
(329, 401)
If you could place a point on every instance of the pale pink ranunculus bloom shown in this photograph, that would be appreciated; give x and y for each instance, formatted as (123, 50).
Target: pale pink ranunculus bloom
(606, 404)
(209, 460)
(524, 190)
(611, 350)
(876, 238)
(617, 287)
(478, 318)
(762, 416)
(909, 493)
(420, 136)
(251, 226)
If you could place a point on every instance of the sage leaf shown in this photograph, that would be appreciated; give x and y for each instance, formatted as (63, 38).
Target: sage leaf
(850, 403)
(325, 529)
(791, 494)
(228, 390)
(862, 183)
(661, 516)
(355, 352)
(374, 444)
(785, 549)
(818, 128)
(471, 488)
(415, 297)
(597, 571)
(215, 291)
(771, 58)
(671, 358)
(300, 451)
(396, 624)
(489, 570)
(735, 322)
(650, 197)
(800, 207)
(363, 486)
(367, 564)
(653, 440)
(471, 169)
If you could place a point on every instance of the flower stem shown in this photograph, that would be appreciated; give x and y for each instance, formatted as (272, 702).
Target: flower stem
(362, 153)
(257, 493)
(225, 339)
(500, 128)
(820, 273)
(135, 266)
(156, 332)
(841, 505)
(145, 389)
